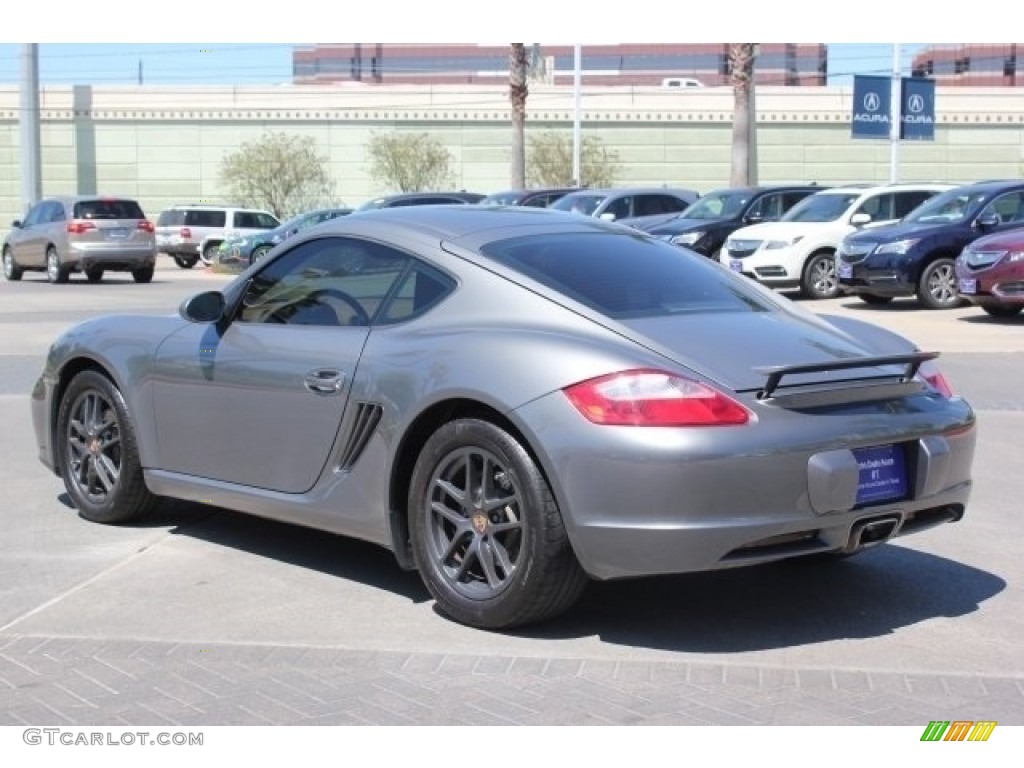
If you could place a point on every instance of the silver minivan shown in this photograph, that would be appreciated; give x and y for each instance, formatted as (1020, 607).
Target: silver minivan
(83, 233)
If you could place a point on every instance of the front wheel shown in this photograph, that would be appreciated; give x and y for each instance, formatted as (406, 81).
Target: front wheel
(186, 262)
(259, 253)
(937, 286)
(819, 280)
(142, 274)
(487, 535)
(97, 452)
(209, 253)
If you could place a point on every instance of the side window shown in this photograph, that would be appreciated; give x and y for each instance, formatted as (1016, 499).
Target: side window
(55, 212)
(769, 206)
(35, 214)
(244, 220)
(878, 207)
(620, 207)
(421, 289)
(330, 281)
(908, 201)
(1008, 207)
(205, 218)
(265, 221)
(789, 199)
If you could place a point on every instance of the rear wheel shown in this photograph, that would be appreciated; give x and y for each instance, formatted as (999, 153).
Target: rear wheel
(487, 536)
(819, 280)
(55, 271)
(94, 274)
(1002, 311)
(209, 254)
(874, 299)
(97, 452)
(142, 274)
(937, 286)
(12, 271)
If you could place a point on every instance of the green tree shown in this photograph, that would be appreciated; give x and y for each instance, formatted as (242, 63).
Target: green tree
(549, 162)
(517, 93)
(410, 162)
(280, 172)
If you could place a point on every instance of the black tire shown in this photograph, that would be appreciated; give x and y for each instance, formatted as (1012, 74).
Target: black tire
(937, 287)
(874, 299)
(142, 274)
(55, 271)
(12, 271)
(94, 275)
(185, 262)
(820, 279)
(503, 559)
(259, 253)
(997, 310)
(97, 453)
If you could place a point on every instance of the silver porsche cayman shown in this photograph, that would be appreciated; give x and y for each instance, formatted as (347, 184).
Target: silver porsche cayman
(512, 401)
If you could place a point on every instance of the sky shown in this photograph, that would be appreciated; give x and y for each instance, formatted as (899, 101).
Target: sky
(257, 51)
(271, 63)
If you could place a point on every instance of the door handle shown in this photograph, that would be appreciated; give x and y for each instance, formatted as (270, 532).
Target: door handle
(324, 381)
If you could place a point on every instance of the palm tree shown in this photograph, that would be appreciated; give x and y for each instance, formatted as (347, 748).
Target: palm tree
(741, 77)
(517, 93)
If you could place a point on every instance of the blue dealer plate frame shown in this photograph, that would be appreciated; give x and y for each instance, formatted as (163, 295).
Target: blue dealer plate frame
(882, 474)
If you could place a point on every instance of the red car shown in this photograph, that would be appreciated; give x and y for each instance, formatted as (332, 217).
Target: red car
(990, 273)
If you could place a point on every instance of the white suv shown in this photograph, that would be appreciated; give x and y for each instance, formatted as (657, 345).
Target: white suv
(189, 233)
(799, 250)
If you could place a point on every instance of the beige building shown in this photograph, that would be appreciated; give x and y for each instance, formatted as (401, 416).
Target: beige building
(164, 145)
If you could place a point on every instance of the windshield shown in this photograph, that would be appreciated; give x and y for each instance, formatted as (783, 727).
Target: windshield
(585, 204)
(948, 208)
(717, 205)
(626, 275)
(821, 207)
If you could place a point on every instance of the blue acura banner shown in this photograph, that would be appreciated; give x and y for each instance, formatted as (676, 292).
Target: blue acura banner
(917, 109)
(872, 104)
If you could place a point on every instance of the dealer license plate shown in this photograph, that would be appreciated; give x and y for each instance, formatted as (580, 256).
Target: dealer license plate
(883, 474)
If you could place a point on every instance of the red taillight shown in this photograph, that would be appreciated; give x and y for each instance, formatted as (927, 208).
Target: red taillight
(933, 378)
(146, 225)
(78, 227)
(186, 233)
(649, 398)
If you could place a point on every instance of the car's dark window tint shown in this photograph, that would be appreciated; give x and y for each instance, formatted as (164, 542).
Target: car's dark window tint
(1009, 207)
(205, 218)
(108, 209)
(626, 276)
(421, 289)
(54, 212)
(171, 218)
(329, 281)
(908, 201)
(263, 221)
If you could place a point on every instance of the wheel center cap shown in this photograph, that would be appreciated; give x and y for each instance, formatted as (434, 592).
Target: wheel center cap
(94, 446)
(479, 521)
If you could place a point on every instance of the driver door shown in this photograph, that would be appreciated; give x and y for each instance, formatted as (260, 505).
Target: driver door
(260, 401)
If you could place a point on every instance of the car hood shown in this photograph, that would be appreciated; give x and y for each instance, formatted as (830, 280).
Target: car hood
(901, 231)
(728, 347)
(787, 230)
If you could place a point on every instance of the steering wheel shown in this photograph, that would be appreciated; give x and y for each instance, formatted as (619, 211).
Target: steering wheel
(360, 315)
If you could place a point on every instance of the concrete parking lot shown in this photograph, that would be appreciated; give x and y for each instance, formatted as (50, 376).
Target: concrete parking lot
(204, 616)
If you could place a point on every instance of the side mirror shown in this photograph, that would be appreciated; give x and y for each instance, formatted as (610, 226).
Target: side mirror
(753, 217)
(607, 217)
(860, 219)
(206, 307)
(989, 220)
(16, 223)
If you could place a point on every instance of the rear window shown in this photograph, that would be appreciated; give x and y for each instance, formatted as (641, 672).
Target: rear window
(108, 209)
(625, 276)
(174, 217)
(205, 218)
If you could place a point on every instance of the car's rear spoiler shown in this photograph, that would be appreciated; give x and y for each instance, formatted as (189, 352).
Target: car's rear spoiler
(775, 373)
